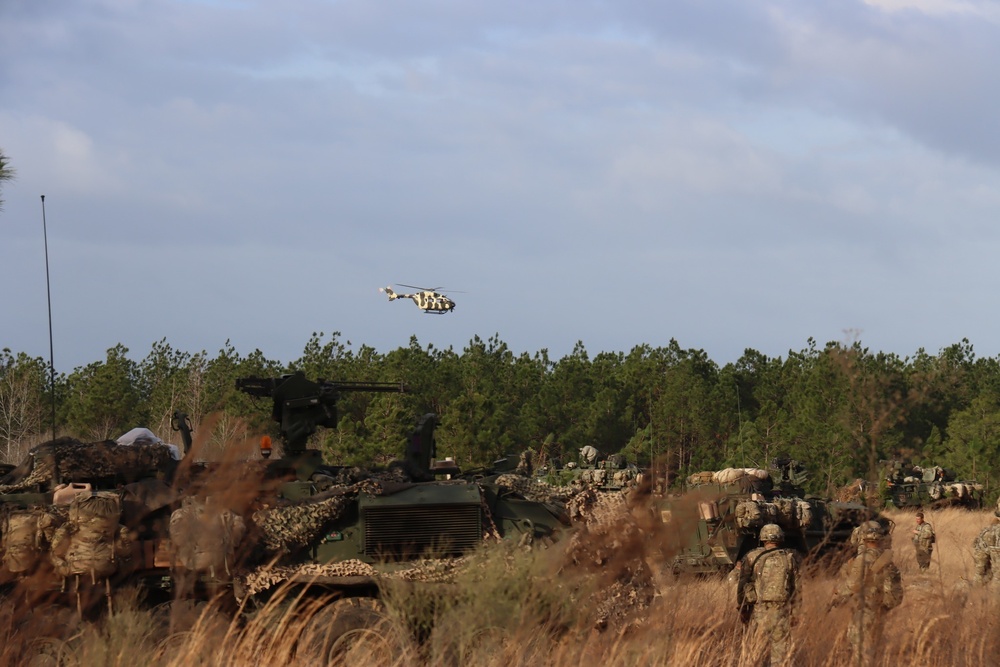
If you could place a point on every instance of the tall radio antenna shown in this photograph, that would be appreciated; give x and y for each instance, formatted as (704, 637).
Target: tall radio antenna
(48, 292)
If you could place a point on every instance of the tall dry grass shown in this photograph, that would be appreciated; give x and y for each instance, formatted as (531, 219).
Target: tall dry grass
(528, 608)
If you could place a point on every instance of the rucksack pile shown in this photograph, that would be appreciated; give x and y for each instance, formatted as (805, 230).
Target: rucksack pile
(92, 541)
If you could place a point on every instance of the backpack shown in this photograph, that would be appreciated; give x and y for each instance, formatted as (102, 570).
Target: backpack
(204, 538)
(772, 576)
(92, 541)
(881, 577)
(25, 534)
(892, 584)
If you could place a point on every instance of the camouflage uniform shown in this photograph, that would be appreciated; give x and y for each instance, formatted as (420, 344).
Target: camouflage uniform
(767, 584)
(872, 586)
(986, 554)
(923, 542)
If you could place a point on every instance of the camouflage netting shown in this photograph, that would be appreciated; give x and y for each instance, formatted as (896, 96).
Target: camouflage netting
(396, 473)
(610, 540)
(288, 527)
(858, 491)
(626, 599)
(291, 526)
(593, 508)
(437, 570)
(581, 502)
(539, 492)
(69, 460)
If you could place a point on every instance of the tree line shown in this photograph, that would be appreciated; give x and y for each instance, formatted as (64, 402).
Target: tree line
(839, 408)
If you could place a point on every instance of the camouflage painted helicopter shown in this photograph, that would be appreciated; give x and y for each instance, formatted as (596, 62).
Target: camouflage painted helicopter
(427, 299)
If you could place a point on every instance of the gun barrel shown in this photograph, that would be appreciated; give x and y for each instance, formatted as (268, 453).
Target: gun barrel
(301, 405)
(256, 386)
(367, 386)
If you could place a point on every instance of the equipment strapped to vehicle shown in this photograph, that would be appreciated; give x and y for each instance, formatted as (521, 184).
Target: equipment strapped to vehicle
(92, 541)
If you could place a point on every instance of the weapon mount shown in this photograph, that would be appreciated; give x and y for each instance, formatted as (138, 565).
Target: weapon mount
(301, 405)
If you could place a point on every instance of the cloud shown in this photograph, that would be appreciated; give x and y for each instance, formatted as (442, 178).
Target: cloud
(67, 154)
(978, 9)
(734, 173)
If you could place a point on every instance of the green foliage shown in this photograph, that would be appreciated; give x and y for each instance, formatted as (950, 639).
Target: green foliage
(105, 399)
(839, 408)
(24, 399)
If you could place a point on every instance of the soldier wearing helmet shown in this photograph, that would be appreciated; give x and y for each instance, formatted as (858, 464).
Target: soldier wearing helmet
(986, 553)
(857, 535)
(589, 456)
(767, 593)
(872, 584)
(923, 542)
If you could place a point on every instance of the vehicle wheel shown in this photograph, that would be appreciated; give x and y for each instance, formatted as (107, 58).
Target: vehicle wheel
(352, 629)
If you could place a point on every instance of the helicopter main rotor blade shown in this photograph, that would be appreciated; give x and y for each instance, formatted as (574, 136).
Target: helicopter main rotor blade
(426, 289)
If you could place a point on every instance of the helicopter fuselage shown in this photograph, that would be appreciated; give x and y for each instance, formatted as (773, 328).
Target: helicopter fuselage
(428, 301)
(432, 302)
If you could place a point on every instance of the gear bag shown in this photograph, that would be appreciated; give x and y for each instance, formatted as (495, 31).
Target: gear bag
(880, 577)
(92, 541)
(205, 536)
(773, 576)
(25, 536)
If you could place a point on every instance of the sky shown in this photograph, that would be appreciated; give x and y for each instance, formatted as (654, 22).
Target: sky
(732, 175)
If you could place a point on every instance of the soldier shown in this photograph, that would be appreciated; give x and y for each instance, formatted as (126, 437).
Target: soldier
(589, 456)
(856, 534)
(923, 542)
(986, 552)
(872, 585)
(767, 592)
(525, 464)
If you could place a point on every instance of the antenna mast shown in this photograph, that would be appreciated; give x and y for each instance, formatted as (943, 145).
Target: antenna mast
(48, 292)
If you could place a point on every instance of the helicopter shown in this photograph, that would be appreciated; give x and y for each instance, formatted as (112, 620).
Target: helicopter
(427, 299)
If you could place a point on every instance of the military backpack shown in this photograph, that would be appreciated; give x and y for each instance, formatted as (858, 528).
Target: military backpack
(92, 541)
(772, 576)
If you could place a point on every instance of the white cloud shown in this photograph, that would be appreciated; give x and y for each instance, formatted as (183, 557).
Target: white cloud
(986, 9)
(56, 155)
(758, 161)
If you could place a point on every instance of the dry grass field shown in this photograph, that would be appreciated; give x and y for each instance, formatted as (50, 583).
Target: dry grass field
(522, 608)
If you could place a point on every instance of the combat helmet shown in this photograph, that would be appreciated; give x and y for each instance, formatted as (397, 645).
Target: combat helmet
(772, 533)
(872, 531)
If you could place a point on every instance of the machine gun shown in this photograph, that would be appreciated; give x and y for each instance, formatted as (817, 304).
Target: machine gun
(181, 422)
(301, 406)
(789, 476)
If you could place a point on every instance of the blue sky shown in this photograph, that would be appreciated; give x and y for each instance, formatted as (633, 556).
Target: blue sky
(729, 174)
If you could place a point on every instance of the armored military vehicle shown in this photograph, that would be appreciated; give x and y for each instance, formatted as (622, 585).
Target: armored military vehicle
(908, 485)
(605, 473)
(243, 530)
(717, 520)
(418, 506)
